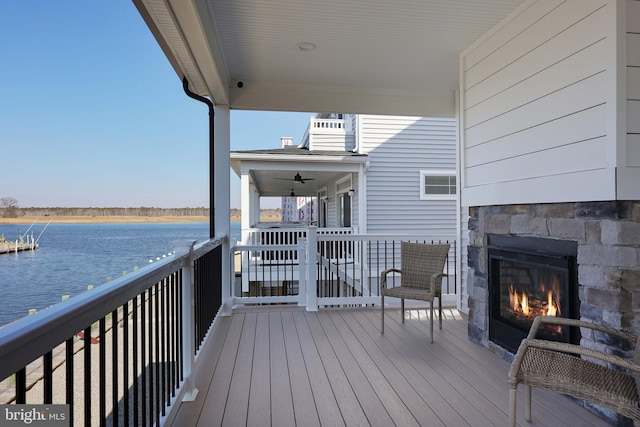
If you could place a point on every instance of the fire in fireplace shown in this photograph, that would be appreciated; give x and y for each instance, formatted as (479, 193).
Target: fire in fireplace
(530, 276)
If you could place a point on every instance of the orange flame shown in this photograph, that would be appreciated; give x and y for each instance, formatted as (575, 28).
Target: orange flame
(551, 306)
(520, 302)
(513, 298)
(525, 305)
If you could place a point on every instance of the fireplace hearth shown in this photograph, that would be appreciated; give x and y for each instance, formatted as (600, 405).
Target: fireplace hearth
(530, 276)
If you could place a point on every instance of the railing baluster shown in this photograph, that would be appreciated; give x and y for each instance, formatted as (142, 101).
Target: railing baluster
(47, 368)
(144, 357)
(87, 376)
(157, 351)
(163, 338)
(170, 339)
(102, 356)
(135, 361)
(115, 361)
(69, 377)
(125, 365)
(21, 386)
(150, 366)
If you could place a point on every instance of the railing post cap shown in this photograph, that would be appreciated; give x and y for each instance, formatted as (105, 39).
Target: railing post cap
(183, 246)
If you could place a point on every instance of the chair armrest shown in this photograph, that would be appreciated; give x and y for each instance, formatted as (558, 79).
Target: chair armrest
(585, 351)
(435, 283)
(539, 320)
(532, 342)
(383, 276)
(630, 366)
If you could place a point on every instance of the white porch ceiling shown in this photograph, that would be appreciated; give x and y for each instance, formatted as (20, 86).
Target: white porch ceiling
(281, 183)
(370, 56)
(273, 171)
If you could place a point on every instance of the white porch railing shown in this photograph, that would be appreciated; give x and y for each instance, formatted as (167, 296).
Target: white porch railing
(122, 353)
(328, 124)
(324, 269)
(317, 125)
(283, 234)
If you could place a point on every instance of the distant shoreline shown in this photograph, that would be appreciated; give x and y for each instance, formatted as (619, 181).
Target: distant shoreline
(101, 219)
(114, 219)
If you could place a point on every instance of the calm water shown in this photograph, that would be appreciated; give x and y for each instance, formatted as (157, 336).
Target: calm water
(73, 256)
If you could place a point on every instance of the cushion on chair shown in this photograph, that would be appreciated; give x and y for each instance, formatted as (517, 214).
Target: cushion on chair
(408, 293)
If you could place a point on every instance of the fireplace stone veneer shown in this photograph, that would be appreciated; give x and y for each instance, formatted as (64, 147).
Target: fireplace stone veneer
(607, 235)
(608, 239)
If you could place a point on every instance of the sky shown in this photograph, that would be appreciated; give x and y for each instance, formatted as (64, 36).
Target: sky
(93, 115)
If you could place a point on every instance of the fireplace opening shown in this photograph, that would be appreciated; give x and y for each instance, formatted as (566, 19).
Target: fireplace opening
(531, 276)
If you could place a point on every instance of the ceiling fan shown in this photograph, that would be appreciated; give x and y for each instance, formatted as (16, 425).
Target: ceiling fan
(298, 178)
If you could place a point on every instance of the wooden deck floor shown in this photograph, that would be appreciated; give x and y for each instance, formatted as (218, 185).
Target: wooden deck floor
(288, 367)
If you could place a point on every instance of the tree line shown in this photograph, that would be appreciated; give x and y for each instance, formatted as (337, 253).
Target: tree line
(9, 209)
(105, 212)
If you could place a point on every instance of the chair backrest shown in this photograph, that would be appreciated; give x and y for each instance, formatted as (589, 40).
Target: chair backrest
(420, 261)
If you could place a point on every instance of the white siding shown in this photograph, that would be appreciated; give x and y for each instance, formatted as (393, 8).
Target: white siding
(335, 141)
(628, 177)
(398, 149)
(534, 99)
(330, 133)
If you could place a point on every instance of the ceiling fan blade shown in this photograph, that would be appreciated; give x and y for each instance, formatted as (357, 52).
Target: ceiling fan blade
(297, 178)
(300, 179)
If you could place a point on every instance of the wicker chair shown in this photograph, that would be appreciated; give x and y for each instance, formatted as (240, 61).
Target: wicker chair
(598, 377)
(421, 276)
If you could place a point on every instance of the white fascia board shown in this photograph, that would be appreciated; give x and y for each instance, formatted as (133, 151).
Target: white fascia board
(249, 157)
(334, 166)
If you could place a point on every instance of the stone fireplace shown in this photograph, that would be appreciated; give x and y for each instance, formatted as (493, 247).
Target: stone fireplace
(606, 237)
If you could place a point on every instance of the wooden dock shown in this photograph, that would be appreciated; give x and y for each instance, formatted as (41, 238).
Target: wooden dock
(15, 247)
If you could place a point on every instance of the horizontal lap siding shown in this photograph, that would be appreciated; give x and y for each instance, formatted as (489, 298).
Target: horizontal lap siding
(399, 148)
(534, 109)
(633, 83)
(628, 174)
(334, 141)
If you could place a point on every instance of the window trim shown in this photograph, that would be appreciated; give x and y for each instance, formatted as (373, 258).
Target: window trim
(342, 189)
(438, 172)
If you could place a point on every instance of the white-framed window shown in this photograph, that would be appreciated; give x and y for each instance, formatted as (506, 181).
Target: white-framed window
(438, 185)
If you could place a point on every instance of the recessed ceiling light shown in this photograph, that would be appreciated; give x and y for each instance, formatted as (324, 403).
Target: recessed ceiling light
(306, 46)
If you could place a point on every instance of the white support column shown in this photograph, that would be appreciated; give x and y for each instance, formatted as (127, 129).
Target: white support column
(184, 247)
(255, 205)
(311, 276)
(245, 204)
(362, 198)
(222, 138)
